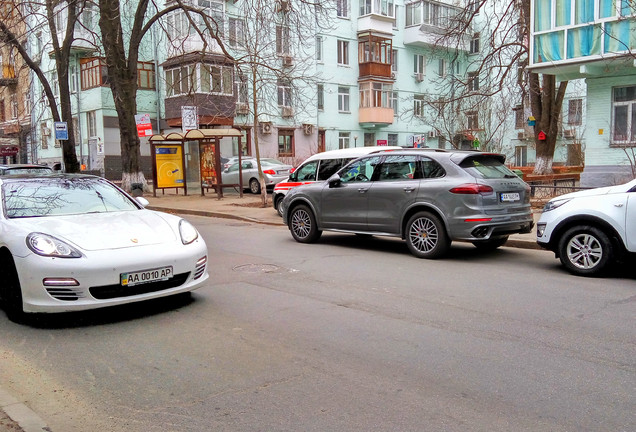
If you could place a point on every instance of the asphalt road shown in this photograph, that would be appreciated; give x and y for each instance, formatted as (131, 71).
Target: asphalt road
(348, 334)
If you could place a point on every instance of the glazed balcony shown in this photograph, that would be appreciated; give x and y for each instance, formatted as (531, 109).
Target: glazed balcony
(374, 55)
(375, 103)
(9, 76)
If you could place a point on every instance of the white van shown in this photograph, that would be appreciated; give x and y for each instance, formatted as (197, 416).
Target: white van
(320, 167)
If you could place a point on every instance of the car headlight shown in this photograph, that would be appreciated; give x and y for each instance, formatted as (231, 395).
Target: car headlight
(47, 245)
(553, 204)
(187, 231)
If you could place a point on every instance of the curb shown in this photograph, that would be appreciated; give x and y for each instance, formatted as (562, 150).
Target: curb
(24, 416)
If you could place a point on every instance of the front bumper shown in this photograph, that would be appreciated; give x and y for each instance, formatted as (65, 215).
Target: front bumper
(98, 276)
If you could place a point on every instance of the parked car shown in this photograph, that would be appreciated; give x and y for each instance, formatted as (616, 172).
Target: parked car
(320, 167)
(591, 229)
(274, 171)
(17, 169)
(429, 198)
(75, 242)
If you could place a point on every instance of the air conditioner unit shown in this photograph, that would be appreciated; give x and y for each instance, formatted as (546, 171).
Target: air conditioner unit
(242, 108)
(266, 127)
(288, 111)
(308, 129)
(523, 135)
(288, 60)
(419, 77)
(569, 133)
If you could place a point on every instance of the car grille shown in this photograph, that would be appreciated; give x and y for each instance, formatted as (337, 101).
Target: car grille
(65, 294)
(115, 291)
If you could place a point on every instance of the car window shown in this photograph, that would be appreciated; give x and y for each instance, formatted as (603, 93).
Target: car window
(329, 167)
(27, 170)
(397, 167)
(307, 172)
(360, 170)
(430, 168)
(62, 197)
(247, 165)
(268, 161)
(487, 167)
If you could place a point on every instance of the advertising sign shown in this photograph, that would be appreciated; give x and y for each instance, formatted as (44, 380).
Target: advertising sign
(144, 127)
(189, 118)
(169, 166)
(382, 142)
(61, 131)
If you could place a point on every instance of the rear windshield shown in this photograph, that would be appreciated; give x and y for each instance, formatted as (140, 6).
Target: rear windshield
(486, 167)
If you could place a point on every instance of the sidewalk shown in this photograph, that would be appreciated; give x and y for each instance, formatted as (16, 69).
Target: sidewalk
(248, 208)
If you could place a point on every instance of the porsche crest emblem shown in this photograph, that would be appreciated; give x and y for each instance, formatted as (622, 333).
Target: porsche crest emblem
(134, 240)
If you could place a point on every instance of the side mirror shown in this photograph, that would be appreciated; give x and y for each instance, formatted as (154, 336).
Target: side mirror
(334, 181)
(143, 201)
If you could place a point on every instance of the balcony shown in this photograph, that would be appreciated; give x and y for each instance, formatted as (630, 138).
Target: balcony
(427, 23)
(8, 77)
(375, 116)
(374, 55)
(375, 104)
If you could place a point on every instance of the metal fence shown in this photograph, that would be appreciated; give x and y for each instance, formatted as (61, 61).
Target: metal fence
(544, 190)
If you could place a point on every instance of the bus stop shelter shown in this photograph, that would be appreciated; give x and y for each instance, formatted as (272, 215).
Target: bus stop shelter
(192, 160)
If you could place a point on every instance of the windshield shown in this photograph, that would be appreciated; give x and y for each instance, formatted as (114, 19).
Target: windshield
(62, 196)
(27, 170)
(486, 167)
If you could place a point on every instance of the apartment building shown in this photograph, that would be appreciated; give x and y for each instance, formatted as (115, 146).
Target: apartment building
(595, 41)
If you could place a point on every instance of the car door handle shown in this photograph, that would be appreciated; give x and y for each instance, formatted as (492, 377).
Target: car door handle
(363, 190)
(618, 205)
(409, 189)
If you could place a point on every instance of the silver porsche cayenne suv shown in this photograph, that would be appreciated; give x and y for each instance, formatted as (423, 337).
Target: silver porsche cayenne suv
(427, 197)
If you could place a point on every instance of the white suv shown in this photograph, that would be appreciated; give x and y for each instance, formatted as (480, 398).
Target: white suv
(320, 167)
(589, 230)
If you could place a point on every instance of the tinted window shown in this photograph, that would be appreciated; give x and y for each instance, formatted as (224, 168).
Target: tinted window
(487, 167)
(398, 167)
(431, 169)
(360, 170)
(329, 167)
(62, 197)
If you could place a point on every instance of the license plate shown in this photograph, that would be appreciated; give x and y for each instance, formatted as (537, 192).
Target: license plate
(510, 197)
(283, 172)
(146, 276)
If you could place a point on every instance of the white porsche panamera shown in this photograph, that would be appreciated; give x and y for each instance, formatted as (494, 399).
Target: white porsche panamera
(76, 242)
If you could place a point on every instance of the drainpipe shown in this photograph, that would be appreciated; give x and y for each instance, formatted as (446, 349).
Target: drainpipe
(157, 81)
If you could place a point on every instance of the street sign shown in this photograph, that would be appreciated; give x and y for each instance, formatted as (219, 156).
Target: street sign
(144, 127)
(61, 131)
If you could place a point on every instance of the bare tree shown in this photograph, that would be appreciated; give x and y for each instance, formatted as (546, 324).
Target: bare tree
(13, 32)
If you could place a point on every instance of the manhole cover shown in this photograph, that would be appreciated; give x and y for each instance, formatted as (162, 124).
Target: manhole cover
(257, 268)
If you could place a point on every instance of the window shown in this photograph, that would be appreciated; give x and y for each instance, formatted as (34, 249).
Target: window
(94, 73)
(365, 7)
(344, 138)
(146, 76)
(369, 139)
(394, 102)
(284, 93)
(472, 120)
(55, 85)
(343, 52)
(394, 61)
(236, 37)
(474, 6)
(44, 134)
(91, 123)
(441, 69)
(214, 79)
(375, 94)
(3, 115)
(179, 81)
(430, 168)
(286, 142)
(14, 105)
(519, 114)
(392, 139)
(473, 81)
(307, 172)
(624, 115)
(319, 49)
(343, 99)
(27, 103)
(418, 105)
(282, 40)
(474, 44)
(241, 93)
(401, 167)
(575, 112)
(321, 97)
(360, 170)
(342, 8)
(419, 64)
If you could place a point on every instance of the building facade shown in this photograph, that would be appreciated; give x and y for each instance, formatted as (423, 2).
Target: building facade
(594, 40)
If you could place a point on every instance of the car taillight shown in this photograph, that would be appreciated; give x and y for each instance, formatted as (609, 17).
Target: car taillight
(270, 172)
(472, 189)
